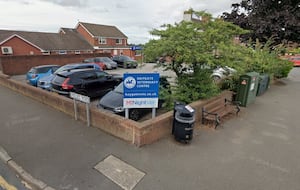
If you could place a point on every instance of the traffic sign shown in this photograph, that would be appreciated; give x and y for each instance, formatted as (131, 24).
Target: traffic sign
(133, 48)
(80, 97)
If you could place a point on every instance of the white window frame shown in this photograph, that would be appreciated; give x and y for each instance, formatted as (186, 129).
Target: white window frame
(119, 41)
(102, 40)
(46, 52)
(62, 52)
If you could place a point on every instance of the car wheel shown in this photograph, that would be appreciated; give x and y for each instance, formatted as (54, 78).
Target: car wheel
(134, 114)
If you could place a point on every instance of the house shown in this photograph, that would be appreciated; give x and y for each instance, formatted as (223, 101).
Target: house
(85, 38)
(105, 39)
(67, 41)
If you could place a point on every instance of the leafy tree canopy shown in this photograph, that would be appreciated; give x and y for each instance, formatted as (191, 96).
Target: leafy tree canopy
(276, 19)
(192, 44)
(210, 42)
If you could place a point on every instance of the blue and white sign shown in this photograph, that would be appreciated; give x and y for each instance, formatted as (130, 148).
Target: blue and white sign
(141, 90)
(133, 48)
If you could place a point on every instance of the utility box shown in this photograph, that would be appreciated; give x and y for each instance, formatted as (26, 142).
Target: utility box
(247, 88)
(263, 84)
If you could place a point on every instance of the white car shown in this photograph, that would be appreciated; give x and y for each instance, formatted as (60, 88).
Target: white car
(222, 72)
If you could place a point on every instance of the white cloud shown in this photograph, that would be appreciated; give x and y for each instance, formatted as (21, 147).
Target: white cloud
(134, 18)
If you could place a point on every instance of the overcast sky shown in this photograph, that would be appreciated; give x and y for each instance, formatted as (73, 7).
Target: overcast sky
(135, 18)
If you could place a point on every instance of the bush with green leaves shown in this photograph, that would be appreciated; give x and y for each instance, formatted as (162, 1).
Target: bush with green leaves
(195, 86)
(192, 46)
(195, 45)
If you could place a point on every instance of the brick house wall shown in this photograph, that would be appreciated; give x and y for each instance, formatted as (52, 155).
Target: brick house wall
(111, 46)
(18, 65)
(94, 41)
(85, 35)
(20, 47)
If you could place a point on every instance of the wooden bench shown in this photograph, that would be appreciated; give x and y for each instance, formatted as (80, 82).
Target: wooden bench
(217, 109)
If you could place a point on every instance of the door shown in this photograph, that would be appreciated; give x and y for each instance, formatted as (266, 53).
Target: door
(105, 83)
(88, 84)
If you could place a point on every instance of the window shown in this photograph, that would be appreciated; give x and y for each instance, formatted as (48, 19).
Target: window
(46, 52)
(101, 74)
(88, 76)
(102, 40)
(62, 52)
(118, 41)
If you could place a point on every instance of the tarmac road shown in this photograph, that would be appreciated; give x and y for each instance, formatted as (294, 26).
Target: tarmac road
(257, 150)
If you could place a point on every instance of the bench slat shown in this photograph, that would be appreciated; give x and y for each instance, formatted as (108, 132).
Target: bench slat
(217, 109)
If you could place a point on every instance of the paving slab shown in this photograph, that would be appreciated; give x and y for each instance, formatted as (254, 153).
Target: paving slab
(123, 174)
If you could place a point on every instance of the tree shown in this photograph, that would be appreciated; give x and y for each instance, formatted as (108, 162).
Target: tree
(194, 46)
(276, 19)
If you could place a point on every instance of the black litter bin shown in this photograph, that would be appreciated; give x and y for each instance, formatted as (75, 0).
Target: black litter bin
(183, 122)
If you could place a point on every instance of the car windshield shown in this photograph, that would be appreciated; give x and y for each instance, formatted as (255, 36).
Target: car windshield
(43, 69)
(105, 59)
(64, 68)
(73, 67)
(119, 88)
(125, 58)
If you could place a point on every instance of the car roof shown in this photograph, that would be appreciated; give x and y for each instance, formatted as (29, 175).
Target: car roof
(76, 64)
(42, 66)
(71, 72)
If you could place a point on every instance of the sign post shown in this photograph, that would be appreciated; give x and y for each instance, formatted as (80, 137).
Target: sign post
(84, 99)
(140, 91)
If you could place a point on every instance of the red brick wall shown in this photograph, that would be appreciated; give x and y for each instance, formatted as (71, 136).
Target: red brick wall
(20, 47)
(109, 43)
(85, 35)
(17, 65)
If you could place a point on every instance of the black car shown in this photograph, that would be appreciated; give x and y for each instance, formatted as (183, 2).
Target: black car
(124, 61)
(113, 101)
(92, 83)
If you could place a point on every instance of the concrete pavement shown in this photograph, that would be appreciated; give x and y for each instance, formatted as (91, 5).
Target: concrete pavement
(257, 150)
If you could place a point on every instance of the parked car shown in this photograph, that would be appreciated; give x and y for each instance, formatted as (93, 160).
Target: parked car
(218, 74)
(45, 82)
(221, 73)
(92, 83)
(295, 60)
(113, 101)
(125, 61)
(97, 61)
(109, 64)
(35, 73)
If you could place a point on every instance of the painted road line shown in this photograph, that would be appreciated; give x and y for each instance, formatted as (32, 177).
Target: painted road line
(5, 185)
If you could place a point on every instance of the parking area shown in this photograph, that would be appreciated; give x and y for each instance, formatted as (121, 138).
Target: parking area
(144, 68)
(257, 150)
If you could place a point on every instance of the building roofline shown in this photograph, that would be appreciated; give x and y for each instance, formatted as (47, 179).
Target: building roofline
(80, 23)
(20, 37)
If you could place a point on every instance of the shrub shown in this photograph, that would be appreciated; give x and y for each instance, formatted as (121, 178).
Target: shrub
(195, 86)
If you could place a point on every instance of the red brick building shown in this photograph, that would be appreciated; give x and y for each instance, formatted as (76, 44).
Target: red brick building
(86, 38)
(104, 38)
(40, 43)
